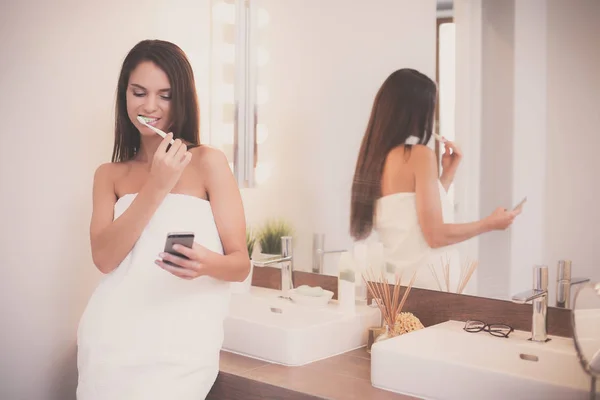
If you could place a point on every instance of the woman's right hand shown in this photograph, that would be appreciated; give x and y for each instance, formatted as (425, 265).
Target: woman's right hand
(502, 218)
(167, 166)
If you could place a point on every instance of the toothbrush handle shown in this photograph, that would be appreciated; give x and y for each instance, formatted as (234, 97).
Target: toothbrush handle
(159, 132)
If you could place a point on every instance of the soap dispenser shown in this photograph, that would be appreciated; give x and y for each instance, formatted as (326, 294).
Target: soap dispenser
(347, 283)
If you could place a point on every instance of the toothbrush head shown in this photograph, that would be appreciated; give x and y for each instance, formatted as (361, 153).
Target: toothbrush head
(439, 138)
(144, 120)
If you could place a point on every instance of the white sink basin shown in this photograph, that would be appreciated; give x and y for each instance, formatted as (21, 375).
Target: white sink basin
(445, 362)
(263, 326)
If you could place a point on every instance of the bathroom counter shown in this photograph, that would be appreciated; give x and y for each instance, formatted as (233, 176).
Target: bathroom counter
(346, 376)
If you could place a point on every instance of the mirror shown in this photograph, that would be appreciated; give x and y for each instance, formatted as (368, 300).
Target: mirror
(527, 98)
(586, 330)
(517, 91)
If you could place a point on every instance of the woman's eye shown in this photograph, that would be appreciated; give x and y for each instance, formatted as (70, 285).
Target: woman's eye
(141, 94)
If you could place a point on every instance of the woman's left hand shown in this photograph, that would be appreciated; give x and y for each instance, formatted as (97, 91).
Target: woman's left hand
(185, 269)
(451, 157)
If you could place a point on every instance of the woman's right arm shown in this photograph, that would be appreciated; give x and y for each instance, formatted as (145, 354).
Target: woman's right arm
(111, 241)
(429, 208)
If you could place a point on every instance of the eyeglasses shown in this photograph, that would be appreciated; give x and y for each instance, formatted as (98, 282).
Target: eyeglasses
(499, 330)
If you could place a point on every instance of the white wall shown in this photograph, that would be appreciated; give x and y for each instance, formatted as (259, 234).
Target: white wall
(59, 64)
(529, 141)
(468, 70)
(496, 140)
(572, 212)
(327, 61)
(539, 95)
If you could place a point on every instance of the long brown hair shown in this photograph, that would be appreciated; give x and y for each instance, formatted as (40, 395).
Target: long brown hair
(185, 114)
(404, 106)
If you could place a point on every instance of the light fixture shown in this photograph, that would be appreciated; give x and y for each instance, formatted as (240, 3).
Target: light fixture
(235, 93)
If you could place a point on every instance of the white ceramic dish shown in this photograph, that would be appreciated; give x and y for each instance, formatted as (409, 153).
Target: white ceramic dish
(311, 301)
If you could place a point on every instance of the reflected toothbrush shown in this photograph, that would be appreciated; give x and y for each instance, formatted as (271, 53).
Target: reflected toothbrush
(439, 138)
(144, 121)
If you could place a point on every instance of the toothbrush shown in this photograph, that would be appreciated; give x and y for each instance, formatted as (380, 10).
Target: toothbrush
(160, 133)
(439, 138)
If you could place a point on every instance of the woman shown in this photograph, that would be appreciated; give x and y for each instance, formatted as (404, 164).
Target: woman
(396, 189)
(152, 330)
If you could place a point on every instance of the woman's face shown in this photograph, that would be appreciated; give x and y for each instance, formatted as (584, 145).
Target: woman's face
(149, 95)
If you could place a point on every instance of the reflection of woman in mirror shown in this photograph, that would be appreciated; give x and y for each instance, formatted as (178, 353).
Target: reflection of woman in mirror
(396, 189)
(153, 330)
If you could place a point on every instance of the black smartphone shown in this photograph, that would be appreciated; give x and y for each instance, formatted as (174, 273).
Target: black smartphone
(181, 238)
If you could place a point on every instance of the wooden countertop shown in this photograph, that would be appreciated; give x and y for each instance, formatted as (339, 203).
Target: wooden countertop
(344, 377)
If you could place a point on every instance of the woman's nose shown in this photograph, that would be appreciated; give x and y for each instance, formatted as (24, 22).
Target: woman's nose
(151, 104)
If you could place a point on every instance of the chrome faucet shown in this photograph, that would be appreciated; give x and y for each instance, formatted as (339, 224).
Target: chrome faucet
(286, 260)
(539, 297)
(564, 282)
(318, 252)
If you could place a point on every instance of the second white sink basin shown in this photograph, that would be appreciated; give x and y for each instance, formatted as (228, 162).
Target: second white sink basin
(445, 362)
(262, 325)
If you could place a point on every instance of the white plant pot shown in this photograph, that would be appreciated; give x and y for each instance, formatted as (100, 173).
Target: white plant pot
(267, 255)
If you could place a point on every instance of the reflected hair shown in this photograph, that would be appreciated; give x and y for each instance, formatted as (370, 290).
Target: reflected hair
(404, 106)
(185, 114)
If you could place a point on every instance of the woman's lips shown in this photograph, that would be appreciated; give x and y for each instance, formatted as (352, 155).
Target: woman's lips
(150, 120)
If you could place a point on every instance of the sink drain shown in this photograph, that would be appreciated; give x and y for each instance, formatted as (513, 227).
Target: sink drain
(528, 357)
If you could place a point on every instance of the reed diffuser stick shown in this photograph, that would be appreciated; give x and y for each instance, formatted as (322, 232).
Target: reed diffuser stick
(466, 271)
(407, 291)
(463, 271)
(472, 267)
(389, 302)
(446, 266)
(437, 280)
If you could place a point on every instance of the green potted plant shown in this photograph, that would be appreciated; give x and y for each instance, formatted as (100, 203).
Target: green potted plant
(269, 236)
(250, 241)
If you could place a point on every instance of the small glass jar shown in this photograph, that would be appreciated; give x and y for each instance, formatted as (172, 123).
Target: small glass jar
(385, 334)
(374, 333)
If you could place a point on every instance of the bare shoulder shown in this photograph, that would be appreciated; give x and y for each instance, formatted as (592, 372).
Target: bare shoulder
(424, 162)
(417, 154)
(209, 159)
(111, 171)
(107, 176)
(105, 172)
(422, 151)
(213, 166)
(422, 155)
(205, 151)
